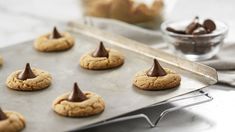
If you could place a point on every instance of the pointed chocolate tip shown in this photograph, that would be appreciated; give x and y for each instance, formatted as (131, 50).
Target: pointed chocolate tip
(55, 34)
(27, 66)
(3, 116)
(155, 62)
(100, 51)
(27, 73)
(76, 95)
(101, 44)
(156, 70)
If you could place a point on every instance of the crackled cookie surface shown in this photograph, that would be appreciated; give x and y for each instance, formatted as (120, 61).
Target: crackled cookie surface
(102, 59)
(78, 104)
(156, 78)
(1, 60)
(29, 79)
(11, 121)
(54, 41)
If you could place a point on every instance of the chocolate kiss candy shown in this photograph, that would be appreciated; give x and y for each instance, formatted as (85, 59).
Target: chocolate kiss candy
(199, 31)
(77, 95)
(156, 70)
(100, 51)
(55, 34)
(27, 73)
(192, 26)
(2, 115)
(170, 29)
(209, 25)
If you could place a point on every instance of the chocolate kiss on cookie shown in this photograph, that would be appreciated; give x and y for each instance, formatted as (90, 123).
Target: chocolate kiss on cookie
(2, 115)
(55, 34)
(27, 73)
(77, 95)
(156, 70)
(100, 51)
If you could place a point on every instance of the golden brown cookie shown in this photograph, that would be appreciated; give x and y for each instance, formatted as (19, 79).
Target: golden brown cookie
(1, 60)
(156, 78)
(11, 121)
(102, 59)
(54, 41)
(78, 104)
(29, 80)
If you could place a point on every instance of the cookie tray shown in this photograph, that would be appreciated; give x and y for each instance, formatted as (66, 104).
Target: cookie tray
(114, 85)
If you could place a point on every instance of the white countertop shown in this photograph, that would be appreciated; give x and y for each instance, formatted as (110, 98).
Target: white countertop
(23, 20)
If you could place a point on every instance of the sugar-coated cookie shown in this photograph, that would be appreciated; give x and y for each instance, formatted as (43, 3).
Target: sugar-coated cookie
(156, 78)
(78, 104)
(29, 79)
(54, 41)
(102, 58)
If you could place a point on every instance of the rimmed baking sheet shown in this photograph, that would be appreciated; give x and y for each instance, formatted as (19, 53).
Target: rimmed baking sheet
(114, 85)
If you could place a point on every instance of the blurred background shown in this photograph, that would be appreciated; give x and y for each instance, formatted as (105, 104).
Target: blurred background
(26, 19)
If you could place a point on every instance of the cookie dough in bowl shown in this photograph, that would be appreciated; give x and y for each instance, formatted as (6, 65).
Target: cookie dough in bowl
(29, 79)
(78, 103)
(11, 121)
(156, 78)
(102, 58)
(54, 41)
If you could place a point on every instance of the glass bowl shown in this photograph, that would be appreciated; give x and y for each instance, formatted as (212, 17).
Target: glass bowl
(194, 47)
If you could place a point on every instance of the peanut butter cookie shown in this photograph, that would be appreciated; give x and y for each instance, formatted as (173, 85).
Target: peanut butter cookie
(54, 41)
(102, 59)
(29, 79)
(156, 78)
(11, 121)
(78, 104)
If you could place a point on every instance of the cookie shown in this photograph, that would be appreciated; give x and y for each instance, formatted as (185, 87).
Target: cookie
(102, 58)
(156, 78)
(29, 79)
(78, 104)
(11, 121)
(1, 60)
(54, 41)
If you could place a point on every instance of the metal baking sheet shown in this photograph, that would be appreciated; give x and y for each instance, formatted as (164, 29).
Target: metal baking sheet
(114, 85)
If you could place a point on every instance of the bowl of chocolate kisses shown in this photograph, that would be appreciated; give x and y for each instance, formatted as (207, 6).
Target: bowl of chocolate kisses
(195, 40)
